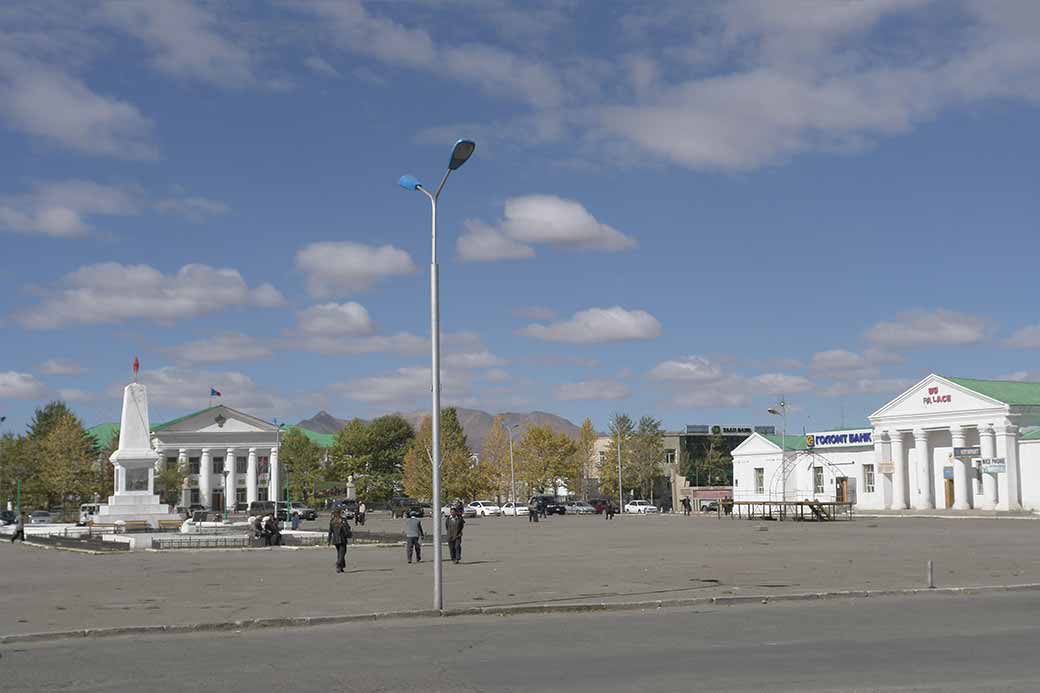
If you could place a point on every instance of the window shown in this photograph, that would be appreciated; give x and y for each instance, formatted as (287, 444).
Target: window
(868, 478)
(760, 480)
(218, 465)
(171, 463)
(669, 456)
(193, 464)
(194, 496)
(240, 496)
(241, 465)
(261, 493)
(263, 465)
(817, 480)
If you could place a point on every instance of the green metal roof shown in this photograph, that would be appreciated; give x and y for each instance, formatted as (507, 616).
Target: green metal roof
(325, 440)
(792, 442)
(1029, 433)
(104, 432)
(1006, 391)
(157, 427)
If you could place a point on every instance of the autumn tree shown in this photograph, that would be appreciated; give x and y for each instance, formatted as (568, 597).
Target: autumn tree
(460, 475)
(20, 465)
(622, 431)
(544, 456)
(494, 460)
(647, 455)
(67, 455)
(584, 450)
(169, 479)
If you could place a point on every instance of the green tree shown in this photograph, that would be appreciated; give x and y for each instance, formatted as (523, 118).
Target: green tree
(169, 480)
(584, 450)
(708, 461)
(460, 475)
(544, 457)
(373, 453)
(67, 458)
(647, 455)
(47, 417)
(19, 461)
(302, 459)
(621, 430)
(494, 460)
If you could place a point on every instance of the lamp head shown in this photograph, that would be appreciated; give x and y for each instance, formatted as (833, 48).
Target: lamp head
(773, 410)
(462, 151)
(409, 182)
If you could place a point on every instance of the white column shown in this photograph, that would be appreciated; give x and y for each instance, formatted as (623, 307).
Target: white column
(273, 487)
(961, 485)
(182, 463)
(988, 443)
(251, 477)
(230, 481)
(205, 477)
(1007, 447)
(924, 489)
(899, 472)
(878, 501)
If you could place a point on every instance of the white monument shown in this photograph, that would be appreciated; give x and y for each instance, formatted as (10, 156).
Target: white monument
(134, 463)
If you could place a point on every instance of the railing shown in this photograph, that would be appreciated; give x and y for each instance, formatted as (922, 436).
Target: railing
(196, 541)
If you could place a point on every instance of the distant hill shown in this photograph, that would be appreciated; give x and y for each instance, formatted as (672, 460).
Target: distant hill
(475, 423)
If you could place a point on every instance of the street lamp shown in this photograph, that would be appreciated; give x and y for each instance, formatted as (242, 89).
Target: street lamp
(512, 470)
(781, 410)
(460, 153)
(226, 491)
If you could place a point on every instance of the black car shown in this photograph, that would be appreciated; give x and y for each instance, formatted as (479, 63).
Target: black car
(546, 505)
(8, 517)
(342, 504)
(402, 505)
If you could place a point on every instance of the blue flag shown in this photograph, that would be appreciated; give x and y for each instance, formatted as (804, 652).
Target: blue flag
(214, 393)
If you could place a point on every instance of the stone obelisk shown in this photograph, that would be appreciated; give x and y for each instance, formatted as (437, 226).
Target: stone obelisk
(134, 463)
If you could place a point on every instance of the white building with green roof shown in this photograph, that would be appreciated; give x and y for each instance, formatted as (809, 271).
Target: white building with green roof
(905, 458)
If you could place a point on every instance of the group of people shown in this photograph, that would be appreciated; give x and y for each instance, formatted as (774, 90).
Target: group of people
(268, 530)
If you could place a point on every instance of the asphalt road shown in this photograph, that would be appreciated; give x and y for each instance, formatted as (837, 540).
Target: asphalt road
(930, 643)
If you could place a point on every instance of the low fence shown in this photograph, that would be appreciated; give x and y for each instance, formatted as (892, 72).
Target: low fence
(201, 541)
(84, 542)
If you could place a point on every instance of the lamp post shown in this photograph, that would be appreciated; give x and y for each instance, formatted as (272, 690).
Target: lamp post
(225, 473)
(460, 153)
(620, 488)
(512, 471)
(781, 410)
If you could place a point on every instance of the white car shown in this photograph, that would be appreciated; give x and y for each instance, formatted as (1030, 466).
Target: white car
(640, 507)
(485, 508)
(511, 508)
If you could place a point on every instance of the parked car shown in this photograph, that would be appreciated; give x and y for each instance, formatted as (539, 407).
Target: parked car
(257, 508)
(40, 517)
(304, 512)
(241, 507)
(402, 505)
(598, 504)
(580, 507)
(709, 506)
(511, 508)
(87, 511)
(484, 508)
(639, 507)
(8, 517)
(547, 505)
(346, 504)
(466, 510)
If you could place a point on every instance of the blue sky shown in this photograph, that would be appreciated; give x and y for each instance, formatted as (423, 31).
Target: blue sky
(674, 209)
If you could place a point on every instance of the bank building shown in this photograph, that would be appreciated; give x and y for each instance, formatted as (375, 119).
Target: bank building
(945, 443)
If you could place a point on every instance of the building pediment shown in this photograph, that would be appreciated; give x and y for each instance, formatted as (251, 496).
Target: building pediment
(756, 444)
(936, 396)
(219, 419)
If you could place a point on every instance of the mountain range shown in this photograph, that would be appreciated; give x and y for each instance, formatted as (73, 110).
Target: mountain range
(475, 423)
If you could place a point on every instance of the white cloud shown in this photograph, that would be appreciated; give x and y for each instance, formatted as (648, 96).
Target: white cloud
(482, 243)
(780, 383)
(340, 267)
(1025, 338)
(596, 325)
(535, 313)
(229, 346)
(62, 208)
(936, 328)
(1021, 376)
(74, 394)
(173, 388)
(497, 375)
(184, 39)
(867, 386)
(109, 292)
(691, 369)
(400, 343)
(596, 390)
(405, 387)
(473, 359)
(335, 319)
(192, 208)
(321, 66)
(46, 102)
(14, 385)
(727, 393)
(539, 219)
(61, 367)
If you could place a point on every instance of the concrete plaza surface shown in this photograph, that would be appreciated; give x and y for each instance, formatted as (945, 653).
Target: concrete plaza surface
(925, 643)
(508, 561)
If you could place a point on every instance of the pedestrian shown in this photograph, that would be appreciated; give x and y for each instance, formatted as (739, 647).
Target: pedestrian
(413, 533)
(532, 511)
(454, 527)
(273, 532)
(19, 529)
(686, 505)
(608, 512)
(361, 509)
(339, 535)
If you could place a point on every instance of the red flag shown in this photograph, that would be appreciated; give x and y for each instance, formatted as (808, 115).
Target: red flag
(137, 366)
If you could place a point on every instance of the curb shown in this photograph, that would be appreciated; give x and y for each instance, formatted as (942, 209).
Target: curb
(305, 621)
(913, 516)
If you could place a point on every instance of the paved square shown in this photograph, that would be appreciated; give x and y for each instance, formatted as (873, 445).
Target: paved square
(510, 561)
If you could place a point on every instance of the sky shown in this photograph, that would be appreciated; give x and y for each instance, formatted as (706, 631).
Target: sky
(683, 210)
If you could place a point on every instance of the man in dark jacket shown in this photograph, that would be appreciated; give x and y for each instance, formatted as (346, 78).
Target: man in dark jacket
(454, 526)
(339, 535)
(19, 529)
(413, 534)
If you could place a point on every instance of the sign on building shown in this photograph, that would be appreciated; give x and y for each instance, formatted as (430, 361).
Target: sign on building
(967, 454)
(840, 439)
(887, 468)
(994, 465)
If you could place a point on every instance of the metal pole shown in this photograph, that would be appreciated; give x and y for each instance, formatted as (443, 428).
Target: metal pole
(931, 576)
(18, 495)
(435, 357)
(512, 473)
(620, 488)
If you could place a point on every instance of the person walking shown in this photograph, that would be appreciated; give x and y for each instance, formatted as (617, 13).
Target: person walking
(687, 506)
(19, 529)
(339, 535)
(361, 509)
(608, 512)
(413, 534)
(453, 527)
(532, 511)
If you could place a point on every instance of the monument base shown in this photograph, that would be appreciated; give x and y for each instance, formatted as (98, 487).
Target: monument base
(134, 506)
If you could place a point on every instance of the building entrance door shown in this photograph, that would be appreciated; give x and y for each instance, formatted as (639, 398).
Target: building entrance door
(218, 501)
(841, 494)
(948, 484)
